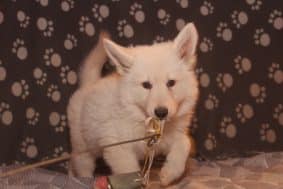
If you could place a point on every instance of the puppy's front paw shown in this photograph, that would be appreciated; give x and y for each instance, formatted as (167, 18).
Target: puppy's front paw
(168, 175)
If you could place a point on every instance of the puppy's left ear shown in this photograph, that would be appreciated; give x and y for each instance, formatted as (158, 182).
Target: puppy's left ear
(185, 43)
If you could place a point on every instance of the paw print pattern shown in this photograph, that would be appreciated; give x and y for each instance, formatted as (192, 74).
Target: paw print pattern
(86, 26)
(23, 19)
(193, 125)
(53, 93)
(158, 39)
(242, 64)
(276, 19)
(20, 89)
(70, 42)
(43, 3)
(163, 16)
(6, 115)
(39, 76)
(275, 73)
(183, 3)
(100, 12)
(203, 77)
(206, 8)
(228, 128)
(224, 32)
(180, 23)
(68, 76)
(254, 4)
(205, 45)
(67, 5)
(244, 112)
(267, 134)
(210, 142)
(239, 18)
(3, 72)
(224, 81)
(32, 116)
(29, 148)
(57, 121)
(52, 58)
(45, 26)
(137, 12)
(211, 102)
(278, 114)
(258, 92)
(261, 38)
(125, 29)
(20, 49)
(59, 151)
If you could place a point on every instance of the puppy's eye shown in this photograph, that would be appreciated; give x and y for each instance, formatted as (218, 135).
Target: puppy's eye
(146, 85)
(171, 83)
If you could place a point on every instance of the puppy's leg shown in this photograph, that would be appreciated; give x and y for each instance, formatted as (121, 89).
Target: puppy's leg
(82, 165)
(176, 160)
(121, 160)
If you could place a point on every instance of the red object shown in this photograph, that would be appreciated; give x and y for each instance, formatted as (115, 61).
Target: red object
(101, 183)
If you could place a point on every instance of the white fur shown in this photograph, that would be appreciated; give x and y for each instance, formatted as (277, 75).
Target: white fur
(113, 109)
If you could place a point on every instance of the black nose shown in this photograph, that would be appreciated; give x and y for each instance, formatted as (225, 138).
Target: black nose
(161, 112)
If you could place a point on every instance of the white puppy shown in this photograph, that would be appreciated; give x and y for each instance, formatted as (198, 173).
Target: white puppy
(150, 81)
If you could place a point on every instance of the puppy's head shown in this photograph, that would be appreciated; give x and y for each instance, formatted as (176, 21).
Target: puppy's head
(159, 79)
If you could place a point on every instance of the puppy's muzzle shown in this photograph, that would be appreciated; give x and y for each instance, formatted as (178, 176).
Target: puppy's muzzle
(161, 112)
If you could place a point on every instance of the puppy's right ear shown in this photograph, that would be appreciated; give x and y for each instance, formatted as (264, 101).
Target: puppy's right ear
(119, 55)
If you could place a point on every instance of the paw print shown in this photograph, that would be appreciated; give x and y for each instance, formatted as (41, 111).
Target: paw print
(68, 76)
(100, 12)
(228, 128)
(224, 81)
(258, 92)
(70, 42)
(275, 73)
(267, 134)
(211, 102)
(276, 19)
(239, 18)
(180, 23)
(52, 58)
(45, 26)
(206, 45)
(67, 5)
(57, 121)
(210, 142)
(203, 77)
(242, 64)
(20, 89)
(23, 19)
(206, 8)
(32, 116)
(19, 49)
(255, 4)
(183, 3)
(163, 16)
(39, 76)
(262, 38)
(278, 114)
(3, 72)
(86, 26)
(244, 112)
(224, 32)
(125, 29)
(158, 39)
(54, 93)
(59, 151)
(194, 125)
(29, 148)
(6, 114)
(137, 12)
(43, 3)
